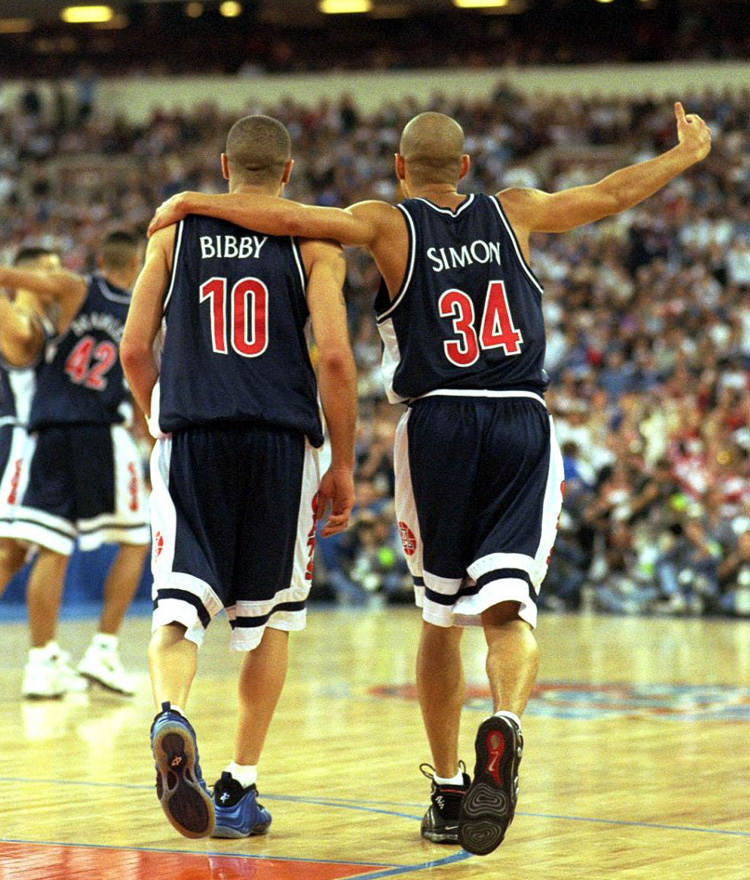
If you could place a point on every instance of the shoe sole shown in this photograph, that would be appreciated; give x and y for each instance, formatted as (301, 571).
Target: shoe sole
(186, 804)
(228, 832)
(446, 837)
(58, 695)
(490, 803)
(106, 685)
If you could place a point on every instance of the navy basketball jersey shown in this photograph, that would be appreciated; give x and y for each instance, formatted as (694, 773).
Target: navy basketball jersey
(80, 380)
(468, 314)
(234, 346)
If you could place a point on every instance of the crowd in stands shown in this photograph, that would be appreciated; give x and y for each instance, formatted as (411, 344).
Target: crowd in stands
(545, 33)
(648, 315)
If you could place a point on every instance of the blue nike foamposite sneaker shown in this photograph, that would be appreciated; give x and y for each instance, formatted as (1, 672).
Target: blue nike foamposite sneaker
(238, 813)
(179, 783)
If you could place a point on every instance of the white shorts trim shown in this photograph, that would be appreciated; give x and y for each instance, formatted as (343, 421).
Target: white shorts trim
(127, 524)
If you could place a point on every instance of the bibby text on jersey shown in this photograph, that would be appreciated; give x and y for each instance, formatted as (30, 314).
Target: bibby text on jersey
(234, 346)
(468, 315)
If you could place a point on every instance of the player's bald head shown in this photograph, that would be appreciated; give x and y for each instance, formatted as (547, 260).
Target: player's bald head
(258, 147)
(432, 145)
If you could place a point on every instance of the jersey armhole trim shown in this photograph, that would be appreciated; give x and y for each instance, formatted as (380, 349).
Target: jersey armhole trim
(410, 257)
(175, 257)
(522, 261)
(300, 264)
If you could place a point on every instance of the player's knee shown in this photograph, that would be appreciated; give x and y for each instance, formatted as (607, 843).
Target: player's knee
(502, 613)
(12, 558)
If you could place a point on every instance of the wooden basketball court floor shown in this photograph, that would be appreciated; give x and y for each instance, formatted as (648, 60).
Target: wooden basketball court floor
(636, 763)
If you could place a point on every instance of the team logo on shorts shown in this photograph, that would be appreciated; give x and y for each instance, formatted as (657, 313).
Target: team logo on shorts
(408, 540)
(158, 544)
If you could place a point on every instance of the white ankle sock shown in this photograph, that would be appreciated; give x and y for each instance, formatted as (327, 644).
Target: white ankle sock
(245, 774)
(178, 709)
(40, 655)
(503, 713)
(105, 641)
(458, 779)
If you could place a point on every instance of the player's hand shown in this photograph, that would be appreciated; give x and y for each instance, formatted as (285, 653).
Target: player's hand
(168, 212)
(693, 133)
(336, 492)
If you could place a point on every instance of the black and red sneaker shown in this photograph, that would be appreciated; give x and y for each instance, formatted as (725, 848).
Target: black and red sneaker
(488, 806)
(440, 822)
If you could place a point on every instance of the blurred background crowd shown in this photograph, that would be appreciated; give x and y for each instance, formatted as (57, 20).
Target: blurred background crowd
(157, 37)
(648, 314)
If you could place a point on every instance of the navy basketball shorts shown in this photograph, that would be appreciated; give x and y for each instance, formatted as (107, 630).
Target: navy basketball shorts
(479, 483)
(85, 483)
(233, 523)
(13, 459)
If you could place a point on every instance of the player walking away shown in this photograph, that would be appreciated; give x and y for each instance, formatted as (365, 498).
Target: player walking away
(478, 472)
(83, 476)
(21, 333)
(236, 473)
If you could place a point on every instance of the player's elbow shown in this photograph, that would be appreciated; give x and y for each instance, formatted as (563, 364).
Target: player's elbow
(133, 351)
(618, 198)
(337, 361)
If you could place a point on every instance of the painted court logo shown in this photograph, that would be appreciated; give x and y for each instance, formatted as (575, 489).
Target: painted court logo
(580, 700)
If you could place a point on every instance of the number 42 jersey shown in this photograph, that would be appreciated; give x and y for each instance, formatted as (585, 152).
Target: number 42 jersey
(468, 315)
(80, 379)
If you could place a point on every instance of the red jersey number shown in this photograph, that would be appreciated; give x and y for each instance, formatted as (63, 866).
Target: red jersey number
(89, 363)
(247, 319)
(496, 329)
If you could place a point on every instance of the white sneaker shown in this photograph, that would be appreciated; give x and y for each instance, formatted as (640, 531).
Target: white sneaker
(105, 668)
(51, 675)
(42, 680)
(74, 683)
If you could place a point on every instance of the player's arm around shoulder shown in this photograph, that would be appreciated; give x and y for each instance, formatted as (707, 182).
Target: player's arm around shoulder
(337, 375)
(273, 215)
(531, 210)
(144, 318)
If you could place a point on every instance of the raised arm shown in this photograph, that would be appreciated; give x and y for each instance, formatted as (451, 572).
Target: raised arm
(21, 335)
(273, 215)
(144, 319)
(337, 377)
(532, 210)
(49, 286)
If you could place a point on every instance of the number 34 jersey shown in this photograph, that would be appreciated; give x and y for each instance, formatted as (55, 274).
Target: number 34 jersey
(80, 380)
(468, 315)
(235, 345)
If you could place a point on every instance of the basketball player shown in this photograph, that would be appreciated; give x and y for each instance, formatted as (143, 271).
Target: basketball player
(21, 334)
(83, 478)
(478, 471)
(236, 473)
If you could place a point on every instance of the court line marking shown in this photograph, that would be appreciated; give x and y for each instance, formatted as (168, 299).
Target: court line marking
(200, 853)
(379, 807)
(388, 870)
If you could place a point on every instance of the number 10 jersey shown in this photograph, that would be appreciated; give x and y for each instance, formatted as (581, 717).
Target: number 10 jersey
(235, 320)
(468, 315)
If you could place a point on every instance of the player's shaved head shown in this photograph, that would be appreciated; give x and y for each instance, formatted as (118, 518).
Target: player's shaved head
(432, 145)
(258, 147)
(118, 250)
